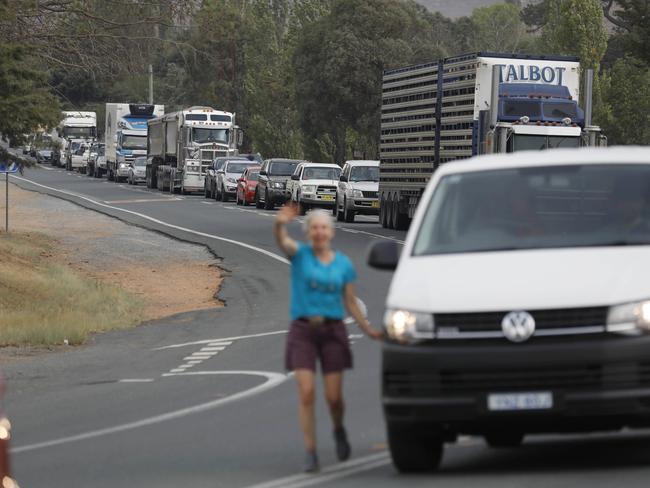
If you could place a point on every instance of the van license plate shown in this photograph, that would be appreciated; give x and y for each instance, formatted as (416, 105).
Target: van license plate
(502, 402)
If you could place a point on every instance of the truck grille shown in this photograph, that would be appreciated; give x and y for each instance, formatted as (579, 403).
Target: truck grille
(574, 378)
(370, 194)
(567, 318)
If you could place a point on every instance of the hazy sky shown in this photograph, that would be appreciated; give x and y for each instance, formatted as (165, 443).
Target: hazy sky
(456, 8)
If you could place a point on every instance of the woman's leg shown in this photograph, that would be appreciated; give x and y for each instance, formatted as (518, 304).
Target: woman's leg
(334, 396)
(306, 393)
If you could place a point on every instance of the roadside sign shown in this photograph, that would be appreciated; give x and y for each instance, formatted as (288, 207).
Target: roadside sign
(11, 168)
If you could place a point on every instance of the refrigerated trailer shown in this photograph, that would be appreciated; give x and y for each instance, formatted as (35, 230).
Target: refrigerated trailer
(473, 104)
(181, 145)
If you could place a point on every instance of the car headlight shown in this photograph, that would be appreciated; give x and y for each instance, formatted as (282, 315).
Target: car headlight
(309, 188)
(629, 318)
(277, 184)
(123, 165)
(407, 326)
(231, 180)
(357, 193)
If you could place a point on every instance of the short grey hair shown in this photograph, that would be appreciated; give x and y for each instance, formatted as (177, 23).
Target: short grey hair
(316, 214)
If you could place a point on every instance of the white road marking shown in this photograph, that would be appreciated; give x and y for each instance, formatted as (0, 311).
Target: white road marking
(46, 168)
(270, 254)
(136, 380)
(211, 349)
(142, 200)
(272, 380)
(220, 341)
(329, 473)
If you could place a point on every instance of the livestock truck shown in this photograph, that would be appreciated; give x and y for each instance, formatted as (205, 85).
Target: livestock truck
(182, 145)
(75, 125)
(473, 104)
(126, 135)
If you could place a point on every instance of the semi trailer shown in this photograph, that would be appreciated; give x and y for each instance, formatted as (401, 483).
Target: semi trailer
(182, 145)
(473, 104)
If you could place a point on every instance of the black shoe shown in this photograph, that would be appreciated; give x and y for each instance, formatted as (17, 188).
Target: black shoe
(342, 445)
(311, 462)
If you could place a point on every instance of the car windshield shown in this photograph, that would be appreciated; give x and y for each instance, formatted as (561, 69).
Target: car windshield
(134, 142)
(252, 175)
(364, 173)
(321, 173)
(282, 168)
(202, 136)
(237, 168)
(538, 208)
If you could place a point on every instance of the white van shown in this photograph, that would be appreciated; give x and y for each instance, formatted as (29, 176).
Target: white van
(520, 303)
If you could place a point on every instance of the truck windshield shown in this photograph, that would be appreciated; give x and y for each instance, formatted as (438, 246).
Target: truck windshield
(519, 108)
(560, 110)
(524, 142)
(538, 208)
(134, 142)
(79, 132)
(364, 173)
(201, 136)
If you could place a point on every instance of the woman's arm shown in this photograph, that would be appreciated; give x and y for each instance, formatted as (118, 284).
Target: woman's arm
(285, 242)
(351, 305)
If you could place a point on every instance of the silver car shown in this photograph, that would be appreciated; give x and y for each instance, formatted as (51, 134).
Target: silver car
(137, 171)
(357, 191)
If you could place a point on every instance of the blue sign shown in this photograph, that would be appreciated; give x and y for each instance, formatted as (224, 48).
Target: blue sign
(12, 168)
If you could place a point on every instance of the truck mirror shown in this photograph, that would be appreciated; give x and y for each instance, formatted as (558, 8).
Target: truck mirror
(240, 137)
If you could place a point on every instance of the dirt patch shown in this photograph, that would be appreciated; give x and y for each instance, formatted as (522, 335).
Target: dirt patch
(167, 275)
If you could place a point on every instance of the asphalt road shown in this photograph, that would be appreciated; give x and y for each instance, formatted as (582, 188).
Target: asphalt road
(122, 412)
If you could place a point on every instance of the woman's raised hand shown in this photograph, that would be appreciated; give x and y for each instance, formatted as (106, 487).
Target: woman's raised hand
(287, 213)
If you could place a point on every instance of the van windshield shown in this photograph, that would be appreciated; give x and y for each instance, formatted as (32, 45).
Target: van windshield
(538, 208)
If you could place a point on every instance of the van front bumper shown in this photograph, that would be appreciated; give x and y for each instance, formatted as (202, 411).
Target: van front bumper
(598, 383)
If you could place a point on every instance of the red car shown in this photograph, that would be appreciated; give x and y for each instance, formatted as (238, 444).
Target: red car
(246, 185)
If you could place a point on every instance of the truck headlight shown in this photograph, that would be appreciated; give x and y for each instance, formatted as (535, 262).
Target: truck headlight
(123, 166)
(357, 193)
(629, 318)
(407, 326)
(309, 188)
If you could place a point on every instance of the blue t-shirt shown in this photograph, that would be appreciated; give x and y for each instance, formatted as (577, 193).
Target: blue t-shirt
(317, 288)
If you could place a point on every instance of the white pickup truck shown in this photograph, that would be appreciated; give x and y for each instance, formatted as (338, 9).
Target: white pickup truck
(314, 185)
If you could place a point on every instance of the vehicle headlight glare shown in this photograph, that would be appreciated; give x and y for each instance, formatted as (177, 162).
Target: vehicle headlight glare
(407, 326)
(629, 317)
(277, 184)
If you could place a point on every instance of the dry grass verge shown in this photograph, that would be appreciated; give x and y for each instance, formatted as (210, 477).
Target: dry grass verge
(45, 303)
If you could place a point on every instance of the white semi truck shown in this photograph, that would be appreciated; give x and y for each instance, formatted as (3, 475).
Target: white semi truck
(181, 145)
(75, 125)
(126, 135)
(473, 104)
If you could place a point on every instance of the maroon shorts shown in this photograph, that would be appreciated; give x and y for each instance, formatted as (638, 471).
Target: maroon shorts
(326, 342)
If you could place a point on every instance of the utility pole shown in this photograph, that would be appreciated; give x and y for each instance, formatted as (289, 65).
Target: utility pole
(150, 84)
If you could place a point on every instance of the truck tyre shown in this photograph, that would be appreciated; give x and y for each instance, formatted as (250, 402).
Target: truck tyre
(348, 215)
(258, 204)
(400, 220)
(268, 204)
(389, 213)
(415, 449)
(206, 194)
(504, 438)
(383, 214)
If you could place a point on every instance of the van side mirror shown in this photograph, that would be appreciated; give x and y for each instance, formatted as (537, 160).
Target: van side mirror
(343, 178)
(263, 173)
(295, 177)
(383, 255)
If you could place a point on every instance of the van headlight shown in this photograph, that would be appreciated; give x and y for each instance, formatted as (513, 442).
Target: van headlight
(407, 326)
(629, 318)
(356, 193)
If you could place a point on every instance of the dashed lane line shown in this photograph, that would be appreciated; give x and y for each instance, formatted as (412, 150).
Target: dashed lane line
(216, 342)
(270, 254)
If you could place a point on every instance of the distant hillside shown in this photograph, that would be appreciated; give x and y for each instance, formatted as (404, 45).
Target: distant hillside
(458, 8)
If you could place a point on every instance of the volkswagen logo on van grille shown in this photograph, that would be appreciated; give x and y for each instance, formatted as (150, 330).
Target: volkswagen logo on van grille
(518, 326)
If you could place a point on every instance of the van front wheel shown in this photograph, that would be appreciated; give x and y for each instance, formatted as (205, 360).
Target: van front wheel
(415, 448)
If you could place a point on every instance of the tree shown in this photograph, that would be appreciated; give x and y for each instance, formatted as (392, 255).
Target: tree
(627, 96)
(632, 19)
(25, 103)
(338, 65)
(497, 28)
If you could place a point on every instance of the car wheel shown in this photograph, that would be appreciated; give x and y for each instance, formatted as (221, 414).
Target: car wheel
(258, 204)
(504, 438)
(304, 208)
(338, 213)
(224, 195)
(415, 449)
(206, 194)
(348, 215)
(335, 209)
(268, 204)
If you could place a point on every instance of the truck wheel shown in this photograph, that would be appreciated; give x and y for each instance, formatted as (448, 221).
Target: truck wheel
(389, 213)
(205, 190)
(268, 204)
(258, 204)
(504, 439)
(348, 215)
(382, 214)
(400, 220)
(414, 448)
